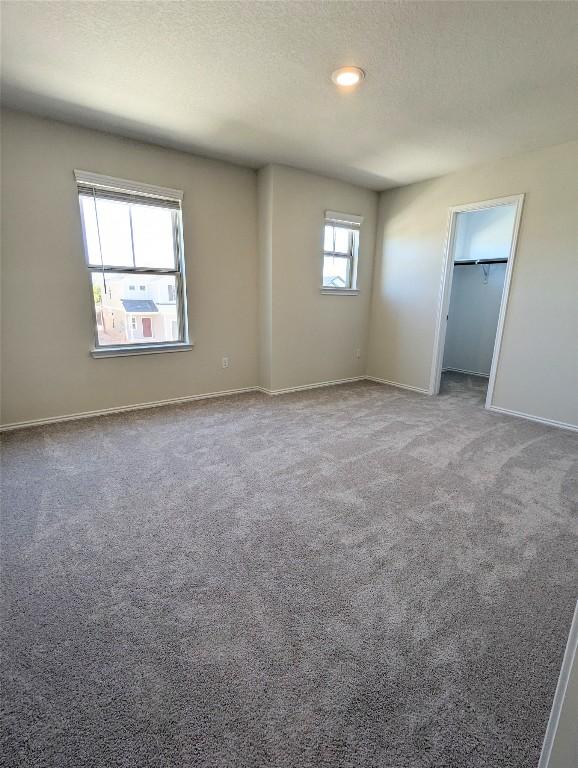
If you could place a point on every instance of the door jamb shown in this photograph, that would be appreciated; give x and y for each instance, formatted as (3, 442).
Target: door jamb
(446, 286)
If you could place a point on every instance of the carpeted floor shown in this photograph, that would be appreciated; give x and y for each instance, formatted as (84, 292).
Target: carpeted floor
(354, 577)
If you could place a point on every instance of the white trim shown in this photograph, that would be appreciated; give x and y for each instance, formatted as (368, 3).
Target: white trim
(171, 401)
(570, 658)
(126, 185)
(128, 350)
(444, 292)
(446, 284)
(340, 291)
(529, 417)
(122, 409)
(344, 218)
(224, 393)
(398, 385)
(316, 385)
(470, 373)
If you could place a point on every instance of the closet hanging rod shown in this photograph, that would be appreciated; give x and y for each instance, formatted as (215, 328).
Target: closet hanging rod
(480, 261)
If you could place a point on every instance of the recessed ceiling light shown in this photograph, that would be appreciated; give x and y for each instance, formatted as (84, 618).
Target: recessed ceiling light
(348, 76)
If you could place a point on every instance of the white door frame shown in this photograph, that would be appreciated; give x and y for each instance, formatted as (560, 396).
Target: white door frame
(558, 722)
(446, 288)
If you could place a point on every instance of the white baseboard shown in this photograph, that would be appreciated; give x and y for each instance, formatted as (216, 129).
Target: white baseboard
(469, 373)
(398, 385)
(287, 390)
(317, 384)
(122, 409)
(171, 401)
(529, 417)
(570, 658)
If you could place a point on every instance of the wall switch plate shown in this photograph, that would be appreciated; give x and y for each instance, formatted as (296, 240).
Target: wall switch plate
(358, 353)
(225, 362)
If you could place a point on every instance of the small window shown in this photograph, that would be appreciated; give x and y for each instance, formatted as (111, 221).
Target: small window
(340, 252)
(133, 230)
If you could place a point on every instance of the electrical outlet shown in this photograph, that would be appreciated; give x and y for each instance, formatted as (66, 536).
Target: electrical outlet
(358, 353)
(225, 362)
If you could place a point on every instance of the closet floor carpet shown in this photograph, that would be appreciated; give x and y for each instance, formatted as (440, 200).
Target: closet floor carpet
(355, 577)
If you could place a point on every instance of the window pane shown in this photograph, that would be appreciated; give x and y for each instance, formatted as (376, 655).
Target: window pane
(90, 229)
(336, 239)
(335, 272)
(328, 239)
(124, 316)
(110, 232)
(153, 237)
(341, 240)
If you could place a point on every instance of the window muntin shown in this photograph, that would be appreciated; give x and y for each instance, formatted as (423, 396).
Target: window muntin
(340, 251)
(133, 247)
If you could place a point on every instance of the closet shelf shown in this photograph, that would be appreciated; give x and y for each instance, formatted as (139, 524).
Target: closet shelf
(461, 262)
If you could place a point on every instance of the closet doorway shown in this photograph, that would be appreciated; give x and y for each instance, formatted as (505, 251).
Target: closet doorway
(478, 263)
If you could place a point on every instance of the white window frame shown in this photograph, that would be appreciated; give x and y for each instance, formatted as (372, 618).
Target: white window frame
(138, 190)
(352, 223)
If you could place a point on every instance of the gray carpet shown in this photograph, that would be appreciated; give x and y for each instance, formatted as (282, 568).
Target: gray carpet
(354, 577)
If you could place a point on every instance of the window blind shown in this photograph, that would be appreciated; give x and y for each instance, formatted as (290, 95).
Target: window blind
(111, 188)
(103, 193)
(346, 220)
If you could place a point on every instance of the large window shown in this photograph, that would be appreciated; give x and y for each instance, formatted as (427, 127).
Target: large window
(134, 253)
(340, 252)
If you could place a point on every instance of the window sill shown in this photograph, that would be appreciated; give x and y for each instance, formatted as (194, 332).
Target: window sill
(341, 291)
(141, 349)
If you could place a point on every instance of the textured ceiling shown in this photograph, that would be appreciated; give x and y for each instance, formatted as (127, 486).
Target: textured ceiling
(448, 84)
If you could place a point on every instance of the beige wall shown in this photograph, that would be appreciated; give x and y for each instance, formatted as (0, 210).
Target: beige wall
(538, 367)
(314, 336)
(253, 246)
(253, 260)
(47, 326)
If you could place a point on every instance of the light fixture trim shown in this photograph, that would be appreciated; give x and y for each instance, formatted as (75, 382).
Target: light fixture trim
(348, 77)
